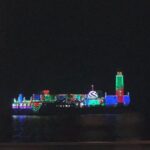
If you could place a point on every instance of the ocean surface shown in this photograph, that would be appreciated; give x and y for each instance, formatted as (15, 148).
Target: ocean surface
(77, 128)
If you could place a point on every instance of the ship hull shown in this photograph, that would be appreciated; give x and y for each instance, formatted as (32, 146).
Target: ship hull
(51, 109)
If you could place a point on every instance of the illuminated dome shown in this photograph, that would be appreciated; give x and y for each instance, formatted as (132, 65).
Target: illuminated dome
(92, 95)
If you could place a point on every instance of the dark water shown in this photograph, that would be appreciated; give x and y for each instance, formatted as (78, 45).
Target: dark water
(92, 127)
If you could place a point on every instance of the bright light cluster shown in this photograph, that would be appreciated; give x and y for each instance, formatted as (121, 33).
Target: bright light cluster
(92, 99)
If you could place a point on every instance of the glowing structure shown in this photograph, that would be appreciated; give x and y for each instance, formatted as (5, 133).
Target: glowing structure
(120, 87)
(34, 103)
(21, 103)
(92, 99)
(111, 100)
(47, 97)
(119, 98)
(61, 97)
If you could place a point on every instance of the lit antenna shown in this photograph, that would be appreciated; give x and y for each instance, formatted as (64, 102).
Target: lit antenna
(92, 86)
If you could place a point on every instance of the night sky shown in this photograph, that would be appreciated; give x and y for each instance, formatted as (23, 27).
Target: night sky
(67, 45)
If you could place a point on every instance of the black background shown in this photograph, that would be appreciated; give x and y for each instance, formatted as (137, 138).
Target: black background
(67, 45)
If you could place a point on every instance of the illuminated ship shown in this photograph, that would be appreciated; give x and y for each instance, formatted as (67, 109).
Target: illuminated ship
(46, 103)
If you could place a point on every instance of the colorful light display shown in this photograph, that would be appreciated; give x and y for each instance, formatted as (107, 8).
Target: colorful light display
(25, 104)
(111, 100)
(36, 106)
(20, 98)
(120, 87)
(92, 99)
(126, 100)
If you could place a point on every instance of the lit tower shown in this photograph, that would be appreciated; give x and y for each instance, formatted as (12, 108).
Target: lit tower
(120, 87)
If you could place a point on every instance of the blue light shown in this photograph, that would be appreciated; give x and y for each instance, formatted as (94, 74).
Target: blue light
(111, 100)
(20, 98)
(86, 102)
(126, 100)
(61, 97)
(36, 97)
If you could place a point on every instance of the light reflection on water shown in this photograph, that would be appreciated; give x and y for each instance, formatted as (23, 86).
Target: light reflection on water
(92, 127)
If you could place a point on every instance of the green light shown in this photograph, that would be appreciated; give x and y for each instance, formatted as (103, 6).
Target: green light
(119, 81)
(93, 102)
(36, 108)
(49, 98)
(78, 97)
(15, 100)
(102, 104)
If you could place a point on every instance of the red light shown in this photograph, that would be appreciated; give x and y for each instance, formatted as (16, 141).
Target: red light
(46, 92)
(36, 104)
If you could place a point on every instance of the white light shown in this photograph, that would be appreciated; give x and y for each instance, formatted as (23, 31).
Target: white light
(14, 105)
(81, 104)
(92, 95)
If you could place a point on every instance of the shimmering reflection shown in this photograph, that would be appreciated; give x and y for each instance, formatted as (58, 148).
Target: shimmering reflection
(92, 127)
